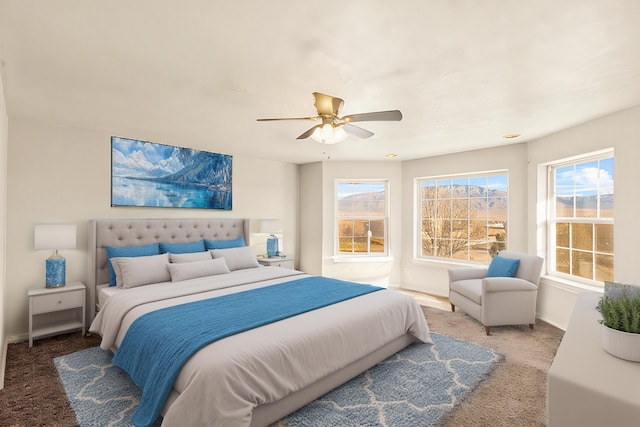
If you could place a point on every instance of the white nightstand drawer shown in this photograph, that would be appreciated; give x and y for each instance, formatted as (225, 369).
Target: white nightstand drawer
(57, 301)
(277, 262)
(283, 264)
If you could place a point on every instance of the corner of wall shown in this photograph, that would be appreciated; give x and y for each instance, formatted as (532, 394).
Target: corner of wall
(4, 126)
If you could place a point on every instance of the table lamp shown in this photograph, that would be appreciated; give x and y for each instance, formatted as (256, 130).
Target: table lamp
(55, 236)
(271, 226)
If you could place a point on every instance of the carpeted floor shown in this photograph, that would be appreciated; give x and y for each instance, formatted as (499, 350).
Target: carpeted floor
(33, 394)
(515, 393)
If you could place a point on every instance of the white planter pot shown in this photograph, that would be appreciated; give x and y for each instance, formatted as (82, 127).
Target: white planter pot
(621, 344)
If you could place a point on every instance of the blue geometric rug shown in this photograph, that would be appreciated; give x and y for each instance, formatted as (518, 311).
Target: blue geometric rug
(418, 386)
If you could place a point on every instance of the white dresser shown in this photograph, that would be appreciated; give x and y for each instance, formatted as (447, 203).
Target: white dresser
(587, 385)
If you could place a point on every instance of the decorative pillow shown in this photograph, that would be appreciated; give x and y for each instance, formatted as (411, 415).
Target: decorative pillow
(503, 267)
(192, 257)
(224, 244)
(116, 268)
(143, 270)
(237, 258)
(193, 270)
(128, 251)
(182, 248)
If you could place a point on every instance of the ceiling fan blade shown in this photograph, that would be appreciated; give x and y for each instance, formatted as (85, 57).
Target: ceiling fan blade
(308, 133)
(357, 131)
(378, 116)
(288, 118)
(327, 105)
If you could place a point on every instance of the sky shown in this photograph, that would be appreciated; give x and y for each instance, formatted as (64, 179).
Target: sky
(585, 179)
(346, 189)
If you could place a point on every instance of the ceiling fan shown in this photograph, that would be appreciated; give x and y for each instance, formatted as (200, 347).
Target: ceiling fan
(334, 128)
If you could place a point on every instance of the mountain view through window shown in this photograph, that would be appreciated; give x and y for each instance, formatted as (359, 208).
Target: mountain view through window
(361, 217)
(463, 217)
(583, 219)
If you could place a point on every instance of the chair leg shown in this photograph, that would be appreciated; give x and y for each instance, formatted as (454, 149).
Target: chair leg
(531, 325)
(453, 307)
(488, 329)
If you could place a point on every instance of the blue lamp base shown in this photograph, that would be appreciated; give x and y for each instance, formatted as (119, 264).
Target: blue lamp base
(56, 271)
(272, 247)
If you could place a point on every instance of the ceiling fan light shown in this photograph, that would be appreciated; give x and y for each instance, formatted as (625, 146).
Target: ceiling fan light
(329, 134)
(339, 133)
(317, 135)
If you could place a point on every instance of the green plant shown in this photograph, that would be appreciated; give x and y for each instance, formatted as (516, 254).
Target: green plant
(621, 312)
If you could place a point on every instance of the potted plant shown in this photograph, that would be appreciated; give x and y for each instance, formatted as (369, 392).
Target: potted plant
(620, 311)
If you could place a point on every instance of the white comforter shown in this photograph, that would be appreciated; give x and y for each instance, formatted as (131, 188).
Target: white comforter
(222, 383)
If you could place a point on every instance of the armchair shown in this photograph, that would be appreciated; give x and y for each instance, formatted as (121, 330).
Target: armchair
(497, 301)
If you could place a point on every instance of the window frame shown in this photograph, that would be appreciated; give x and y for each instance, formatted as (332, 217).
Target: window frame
(551, 219)
(418, 256)
(354, 256)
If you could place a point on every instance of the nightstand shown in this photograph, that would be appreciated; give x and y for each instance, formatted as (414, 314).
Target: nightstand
(283, 262)
(56, 310)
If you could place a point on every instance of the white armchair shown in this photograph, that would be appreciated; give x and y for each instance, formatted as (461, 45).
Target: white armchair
(497, 301)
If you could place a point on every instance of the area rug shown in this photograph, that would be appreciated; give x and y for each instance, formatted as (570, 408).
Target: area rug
(419, 386)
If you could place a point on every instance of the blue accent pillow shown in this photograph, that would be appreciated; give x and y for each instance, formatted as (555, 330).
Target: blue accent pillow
(182, 248)
(503, 267)
(224, 244)
(128, 251)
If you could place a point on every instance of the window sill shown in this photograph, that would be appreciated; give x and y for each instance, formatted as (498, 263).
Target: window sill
(570, 285)
(342, 258)
(446, 263)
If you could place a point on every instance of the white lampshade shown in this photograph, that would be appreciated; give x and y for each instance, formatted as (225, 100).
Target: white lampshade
(55, 236)
(270, 226)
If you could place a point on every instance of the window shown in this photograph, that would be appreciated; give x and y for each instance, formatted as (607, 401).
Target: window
(361, 215)
(463, 217)
(581, 218)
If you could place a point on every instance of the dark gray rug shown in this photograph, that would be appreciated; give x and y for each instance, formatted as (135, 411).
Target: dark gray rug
(418, 386)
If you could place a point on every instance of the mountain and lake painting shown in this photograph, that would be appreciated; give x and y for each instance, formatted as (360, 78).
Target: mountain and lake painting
(157, 175)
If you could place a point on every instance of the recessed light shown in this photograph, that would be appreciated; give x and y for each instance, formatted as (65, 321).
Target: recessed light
(512, 135)
(391, 155)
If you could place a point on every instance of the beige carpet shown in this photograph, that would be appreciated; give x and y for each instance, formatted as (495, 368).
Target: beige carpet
(516, 392)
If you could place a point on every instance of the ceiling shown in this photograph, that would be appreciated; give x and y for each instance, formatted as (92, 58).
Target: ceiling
(198, 73)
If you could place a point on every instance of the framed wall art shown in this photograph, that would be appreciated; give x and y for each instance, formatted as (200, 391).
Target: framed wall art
(157, 175)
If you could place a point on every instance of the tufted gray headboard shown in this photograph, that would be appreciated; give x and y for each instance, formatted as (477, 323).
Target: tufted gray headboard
(135, 232)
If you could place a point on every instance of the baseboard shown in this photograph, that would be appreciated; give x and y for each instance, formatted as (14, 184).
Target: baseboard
(552, 322)
(422, 291)
(3, 363)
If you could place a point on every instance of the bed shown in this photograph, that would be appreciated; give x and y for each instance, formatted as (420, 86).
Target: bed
(260, 375)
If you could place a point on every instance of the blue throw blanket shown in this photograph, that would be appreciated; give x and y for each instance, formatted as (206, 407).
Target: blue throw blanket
(159, 343)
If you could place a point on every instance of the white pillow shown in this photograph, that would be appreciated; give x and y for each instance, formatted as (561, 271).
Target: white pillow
(237, 258)
(193, 270)
(143, 270)
(190, 257)
(116, 269)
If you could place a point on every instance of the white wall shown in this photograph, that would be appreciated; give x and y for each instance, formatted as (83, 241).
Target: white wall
(382, 273)
(59, 174)
(621, 131)
(4, 123)
(311, 225)
(432, 276)
(62, 174)
(317, 221)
